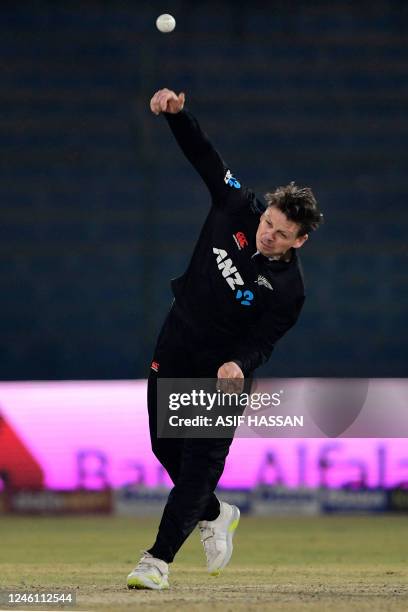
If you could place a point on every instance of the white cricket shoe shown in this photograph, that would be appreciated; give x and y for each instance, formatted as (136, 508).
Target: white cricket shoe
(149, 573)
(217, 535)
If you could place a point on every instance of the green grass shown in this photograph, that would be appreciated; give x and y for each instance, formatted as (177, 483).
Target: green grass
(325, 563)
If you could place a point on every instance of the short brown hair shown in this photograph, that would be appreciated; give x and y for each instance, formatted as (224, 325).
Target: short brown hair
(298, 204)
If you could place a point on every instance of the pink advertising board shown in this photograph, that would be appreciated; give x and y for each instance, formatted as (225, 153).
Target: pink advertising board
(93, 432)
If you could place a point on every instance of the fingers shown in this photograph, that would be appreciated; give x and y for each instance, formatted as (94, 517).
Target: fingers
(156, 101)
(160, 100)
(165, 100)
(230, 370)
(230, 378)
(153, 105)
(230, 385)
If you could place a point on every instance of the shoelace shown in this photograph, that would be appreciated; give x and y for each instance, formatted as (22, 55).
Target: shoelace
(144, 565)
(146, 561)
(207, 533)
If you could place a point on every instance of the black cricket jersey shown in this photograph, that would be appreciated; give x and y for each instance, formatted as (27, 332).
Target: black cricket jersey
(231, 295)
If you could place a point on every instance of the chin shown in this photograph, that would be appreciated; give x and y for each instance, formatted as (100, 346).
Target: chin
(267, 253)
(261, 249)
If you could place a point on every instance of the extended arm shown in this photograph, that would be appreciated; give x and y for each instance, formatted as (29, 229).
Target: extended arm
(196, 146)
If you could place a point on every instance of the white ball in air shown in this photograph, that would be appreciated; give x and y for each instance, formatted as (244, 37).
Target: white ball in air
(165, 23)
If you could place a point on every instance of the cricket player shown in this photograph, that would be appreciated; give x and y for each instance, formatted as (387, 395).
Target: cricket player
(242, 291)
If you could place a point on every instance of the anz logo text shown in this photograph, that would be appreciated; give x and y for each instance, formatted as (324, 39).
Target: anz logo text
(233, 277)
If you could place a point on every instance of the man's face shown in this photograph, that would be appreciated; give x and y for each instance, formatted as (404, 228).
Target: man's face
(276, 234)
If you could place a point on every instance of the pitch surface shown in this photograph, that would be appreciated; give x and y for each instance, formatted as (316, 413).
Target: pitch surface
(280, 564)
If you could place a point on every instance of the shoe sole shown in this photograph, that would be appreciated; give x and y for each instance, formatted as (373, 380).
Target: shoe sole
(230, 534)
(137, 583)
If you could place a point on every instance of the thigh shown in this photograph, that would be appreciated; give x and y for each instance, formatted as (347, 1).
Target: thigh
(174, 350)
(167, 450)
(203, 461)
(171, 359)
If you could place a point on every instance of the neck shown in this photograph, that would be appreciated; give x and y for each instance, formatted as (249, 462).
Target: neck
(287, 256)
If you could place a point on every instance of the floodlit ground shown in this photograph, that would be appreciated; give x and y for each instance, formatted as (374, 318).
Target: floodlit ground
(331, 564)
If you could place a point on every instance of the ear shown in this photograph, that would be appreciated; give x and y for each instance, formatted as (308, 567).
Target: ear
(300, 241)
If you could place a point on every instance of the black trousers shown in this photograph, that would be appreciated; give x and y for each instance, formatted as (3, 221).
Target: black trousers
(195, 465)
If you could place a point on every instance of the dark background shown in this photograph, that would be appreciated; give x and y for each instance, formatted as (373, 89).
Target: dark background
(99, 209)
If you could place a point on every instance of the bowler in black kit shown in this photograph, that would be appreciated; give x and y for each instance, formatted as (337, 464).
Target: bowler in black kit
(242, 291)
